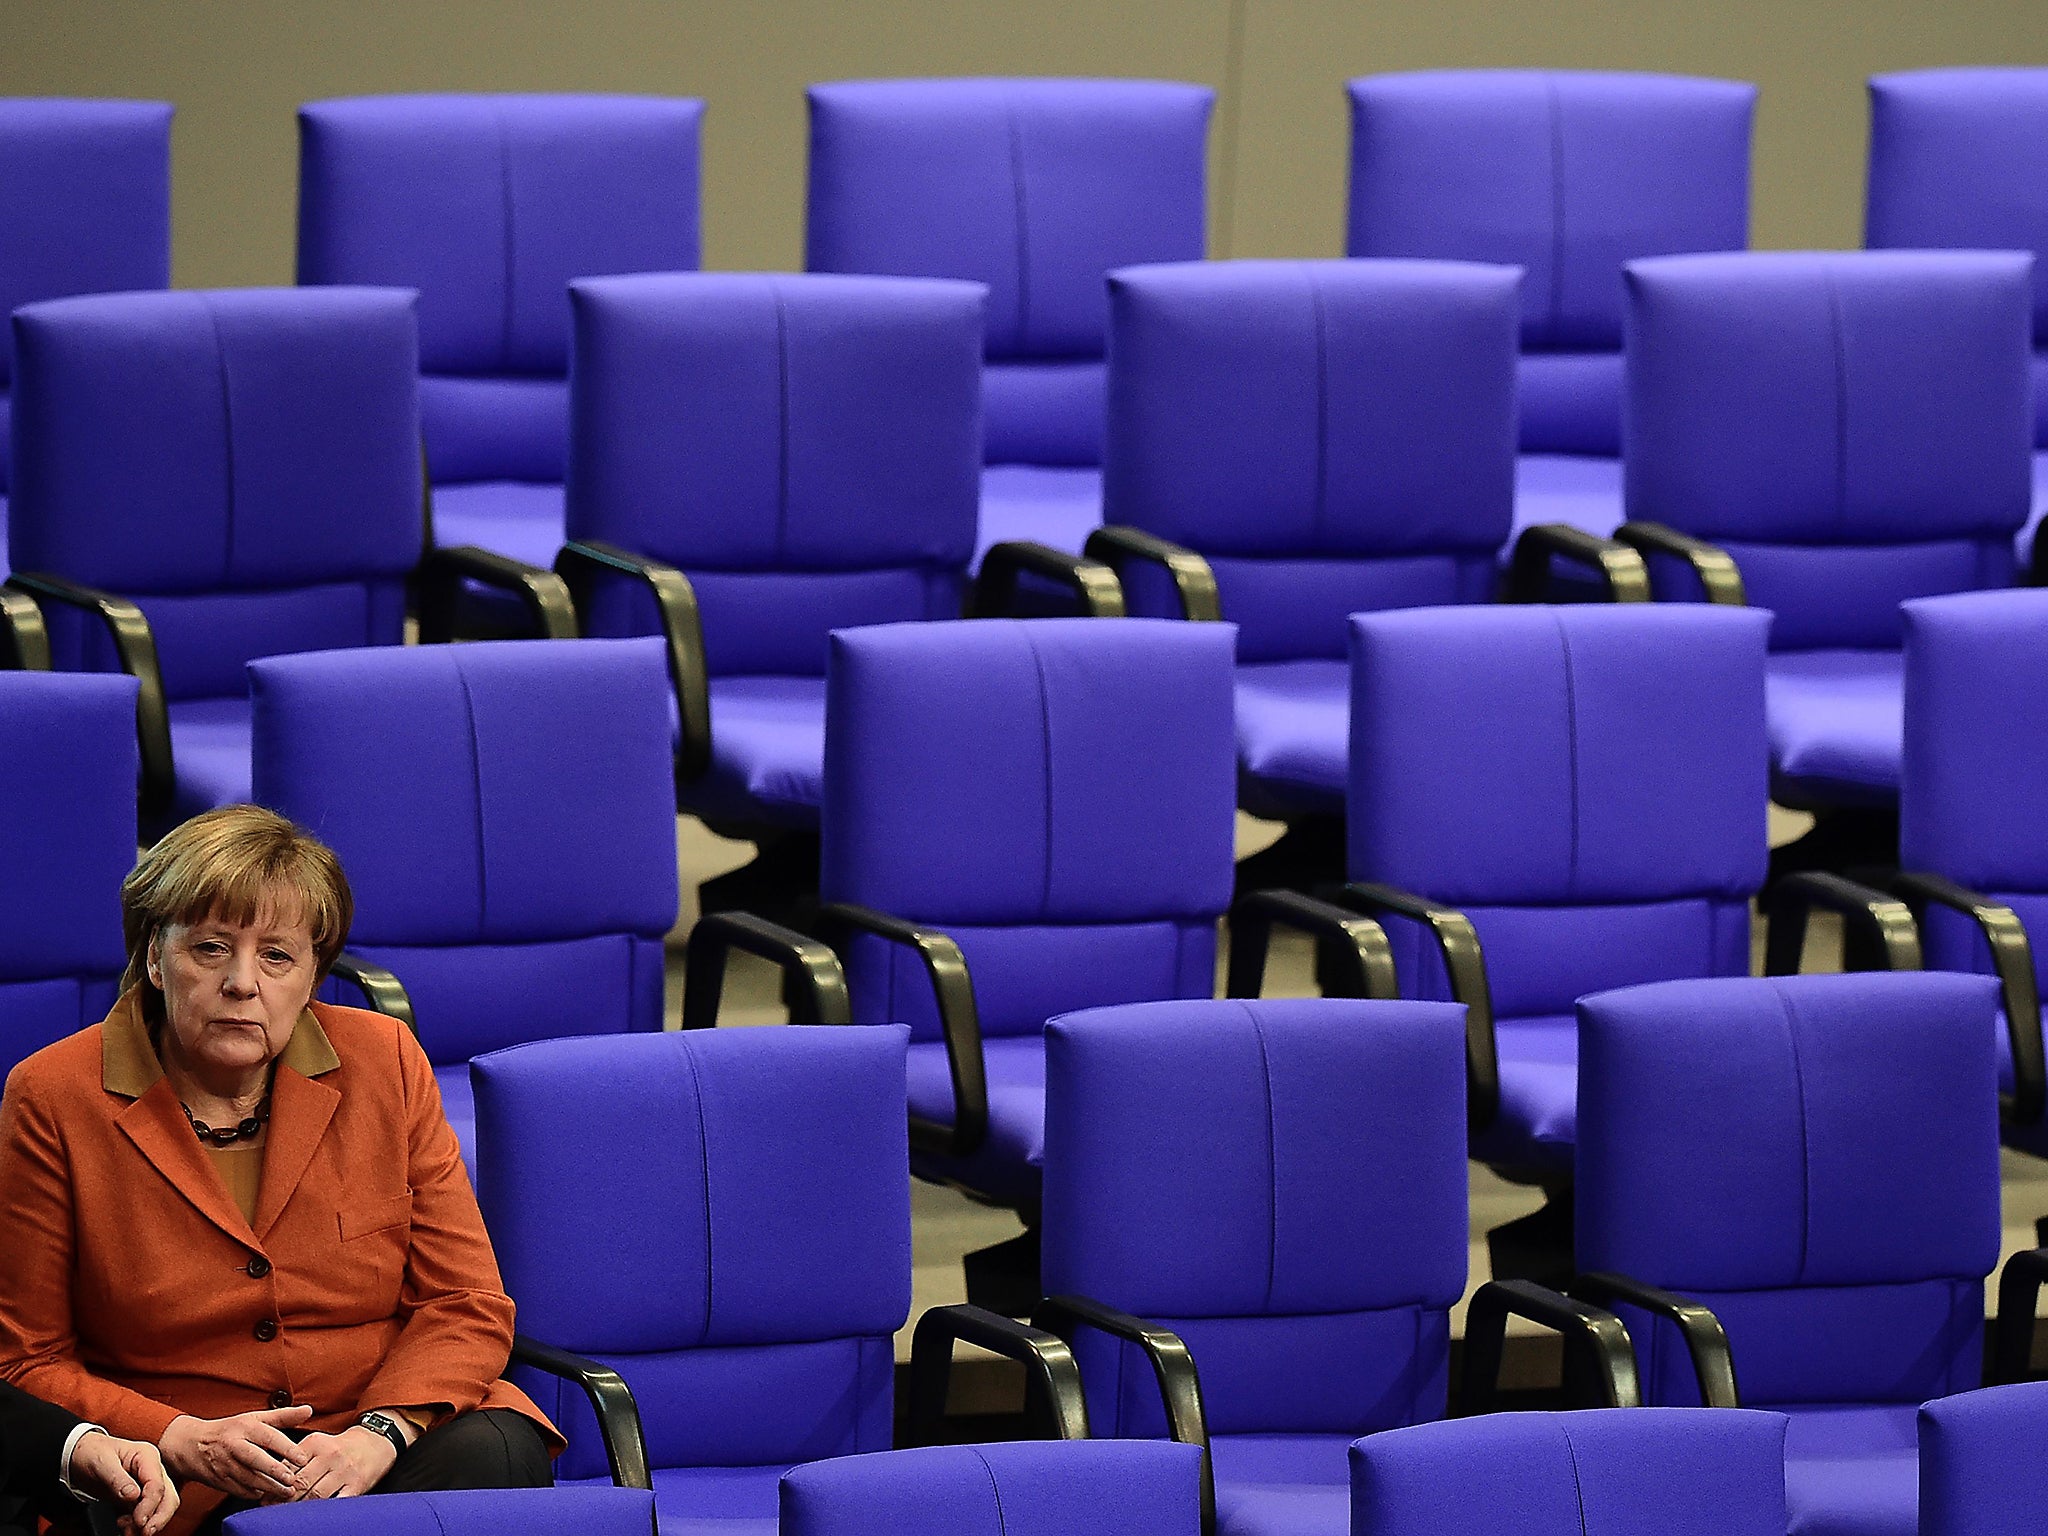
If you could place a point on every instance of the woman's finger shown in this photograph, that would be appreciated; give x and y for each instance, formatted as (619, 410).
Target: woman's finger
(277, 1443)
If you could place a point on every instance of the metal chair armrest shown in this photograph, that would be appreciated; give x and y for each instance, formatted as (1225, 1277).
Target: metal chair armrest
(1597, 1332)
(1712, 566)
(618, 1416)
(440, 576)
(28, 638)
(820, 995)
(994, 593)
(1360, 944)
(1622, 570)
(1053, 1386)
(1878, 932)
(2012, 1331)
(1194, 582)
(581, 562)
(1705, 1339)
(383, 990)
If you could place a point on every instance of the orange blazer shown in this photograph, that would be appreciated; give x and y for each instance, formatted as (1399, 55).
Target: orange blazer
(131, 1289)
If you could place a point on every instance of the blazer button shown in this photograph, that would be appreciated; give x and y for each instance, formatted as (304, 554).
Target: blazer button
(265, 1332)
(259, 1266)
(280, 1398)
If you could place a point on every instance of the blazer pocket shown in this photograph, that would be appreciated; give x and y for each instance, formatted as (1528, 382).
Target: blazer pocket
(375, 1216)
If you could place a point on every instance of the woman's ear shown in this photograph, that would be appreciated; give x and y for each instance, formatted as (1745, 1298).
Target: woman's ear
(153, 960)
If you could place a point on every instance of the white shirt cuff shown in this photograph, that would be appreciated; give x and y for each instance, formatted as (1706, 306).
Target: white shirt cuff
(64, 1465)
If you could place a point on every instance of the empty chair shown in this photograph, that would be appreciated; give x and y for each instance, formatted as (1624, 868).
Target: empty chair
(1281, 1184)
(1034, 1488)
(1634, 1472)
(1779, 407)
(67, 838)
(1036, 188)
(488, 1512)
(1982, 1472)
(85, 207)
(1836, 1139)
(506, 815)
(489, 205)
(1566, 174)
(1959, 157)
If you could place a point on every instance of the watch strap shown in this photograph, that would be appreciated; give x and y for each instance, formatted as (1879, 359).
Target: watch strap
(383, 1424)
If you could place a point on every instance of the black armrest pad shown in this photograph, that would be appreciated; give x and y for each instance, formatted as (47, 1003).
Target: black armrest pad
(1619, 567)
(1712, 565)
(1465, 964)
(959, 1022)
(1054, 1380)
(385, 992)
(1194, 582)
(2012, 956)
(442, 572)
(1878, 932)
(1705, 1339)
(1599, 1333)
(2012, 1331)
(581, 562)
(618, 1416)
(1101, 595)
(1368, 960)
(820, 996)
(28, 638)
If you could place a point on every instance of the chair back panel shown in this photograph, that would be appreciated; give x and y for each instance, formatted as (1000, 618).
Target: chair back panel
(490, 204)
(1570, 402)
(1849, 596)
(489, 427)
(1295, 610)
(34, 1014)
(1981, 1468)
(1313, 408)
(1043, 412)
(1559, 756)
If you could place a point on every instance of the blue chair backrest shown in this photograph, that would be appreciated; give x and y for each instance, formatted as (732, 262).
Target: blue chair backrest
(67, 840)
(1588, 784)
(1983, 1471)
(729, 1228)
(244, 464)
(1959, 157)
(1034, 187)
(506, 815)
(1059, 795)
(1030, 1488)
(489, 205)
(1608, 1472)
(1836, 1138)
(85, 205)
(805, 447)
(484, 1512)
(1778, 406)
(1332, 435)
(1566, 174)
(1282, 1183)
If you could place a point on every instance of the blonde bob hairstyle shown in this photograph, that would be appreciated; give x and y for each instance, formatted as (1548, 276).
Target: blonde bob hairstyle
(234, 865)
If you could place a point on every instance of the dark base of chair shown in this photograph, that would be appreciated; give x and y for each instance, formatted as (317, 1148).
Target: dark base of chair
(1309, 854)
(779, 883)
(1843, 840)
(1537, 1246)
(1004, 1276)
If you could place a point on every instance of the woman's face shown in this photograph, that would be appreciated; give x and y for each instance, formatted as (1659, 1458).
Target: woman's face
(233, 992)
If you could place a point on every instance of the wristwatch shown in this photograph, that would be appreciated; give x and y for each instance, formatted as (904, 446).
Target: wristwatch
(383, 1424)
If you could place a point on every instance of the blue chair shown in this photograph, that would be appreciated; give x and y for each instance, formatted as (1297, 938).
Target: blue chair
(67, 835)
(1956, 159)
(727, 1233)
(506, 814)
(1784, 447)
(487, 1512)
(201, 478)
(1836, 1142)
(1274, 1191)
(1982, 1472)
(1036, 188)
(489, 205)
(1566, 174)
(1638, 1472)
(85, 207)
(1034, 1488)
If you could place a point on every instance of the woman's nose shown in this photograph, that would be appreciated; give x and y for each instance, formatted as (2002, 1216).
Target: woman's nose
(241, 976)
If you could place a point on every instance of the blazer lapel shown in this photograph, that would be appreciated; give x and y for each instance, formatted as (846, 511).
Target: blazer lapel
(156, 1124)
(300, 1109)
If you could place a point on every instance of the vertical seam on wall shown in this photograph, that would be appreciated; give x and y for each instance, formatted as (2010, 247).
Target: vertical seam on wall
(1315, 294)
(1578, 1488)
(1272, 1167)
(1841, 401)
(227, 433)
(1023, 207)
(704, 1174)
(1045, 738)
(476, 786)
(1791, 1013)
(1556, 204)
(1571, 736)
(782, 408)
(1002, 1526)
(511, 240)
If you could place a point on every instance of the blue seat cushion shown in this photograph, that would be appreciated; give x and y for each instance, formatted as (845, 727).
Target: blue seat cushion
(1837, 726)
(1537, 1126)
(767, 753)
(1294, 736)
(511, 517)
(1053, 505)
(709, 1501)
(1282, 1485)
(1566, 488)
(210, 749)
(1852, 1471)
(1007, 1165)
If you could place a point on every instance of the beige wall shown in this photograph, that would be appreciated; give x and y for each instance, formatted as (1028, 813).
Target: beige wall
(236, 68)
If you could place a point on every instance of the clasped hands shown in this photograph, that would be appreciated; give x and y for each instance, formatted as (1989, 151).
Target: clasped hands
(250, 1456)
